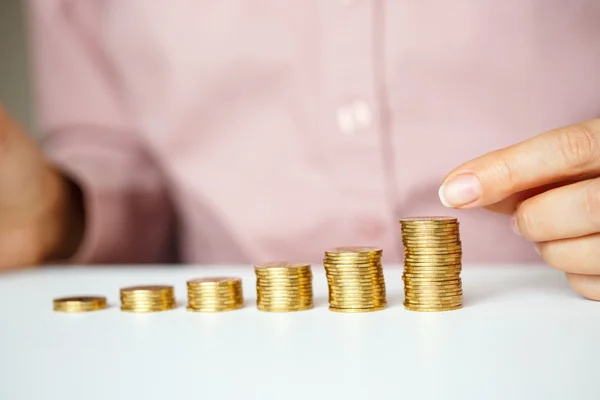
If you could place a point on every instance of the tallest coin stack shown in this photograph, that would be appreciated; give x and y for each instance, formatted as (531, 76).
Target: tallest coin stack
(432, 263)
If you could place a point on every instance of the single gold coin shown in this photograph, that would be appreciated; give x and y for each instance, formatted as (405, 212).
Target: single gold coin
(429, 218)
(147, 289)
(354, 249)
(358, 310)
(427, 308)
(79, 304)
(284, 266)
(214, 280)
(433, 301)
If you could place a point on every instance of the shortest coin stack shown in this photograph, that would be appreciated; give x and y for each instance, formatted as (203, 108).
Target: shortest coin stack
(80, 304)
(140, 299)
(215, 294)
(432, 263)
(355, 279)
(283, 287)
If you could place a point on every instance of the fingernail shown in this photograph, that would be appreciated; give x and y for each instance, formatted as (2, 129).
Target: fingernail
(460, 191)
(515, 226)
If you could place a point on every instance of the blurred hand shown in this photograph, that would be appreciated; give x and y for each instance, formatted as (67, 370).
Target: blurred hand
(38, 218)
(551, 186)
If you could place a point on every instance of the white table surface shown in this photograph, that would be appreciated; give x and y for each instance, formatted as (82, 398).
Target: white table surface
(522, 334)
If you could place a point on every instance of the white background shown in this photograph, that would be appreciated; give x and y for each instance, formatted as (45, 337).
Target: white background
(522, 334)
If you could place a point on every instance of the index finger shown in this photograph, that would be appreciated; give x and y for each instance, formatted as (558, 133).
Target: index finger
(551, 157)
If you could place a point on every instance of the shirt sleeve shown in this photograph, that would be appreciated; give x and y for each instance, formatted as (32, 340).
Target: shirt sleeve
(86, 131)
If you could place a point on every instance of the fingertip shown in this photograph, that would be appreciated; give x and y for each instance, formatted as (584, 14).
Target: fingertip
(460, 191)
(587, 286)
(442, 197)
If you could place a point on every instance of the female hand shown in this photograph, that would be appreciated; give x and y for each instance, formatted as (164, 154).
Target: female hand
(551, 186)
(39, 217)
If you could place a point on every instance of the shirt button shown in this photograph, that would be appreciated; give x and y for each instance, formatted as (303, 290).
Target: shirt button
(354, 116)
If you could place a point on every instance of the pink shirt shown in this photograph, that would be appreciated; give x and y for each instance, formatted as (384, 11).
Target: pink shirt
(262, 130)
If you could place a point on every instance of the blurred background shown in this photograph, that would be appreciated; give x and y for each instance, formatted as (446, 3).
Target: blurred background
(15, 86)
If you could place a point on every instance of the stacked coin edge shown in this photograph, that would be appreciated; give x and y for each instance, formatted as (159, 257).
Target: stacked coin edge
(147, 298)
(215, 294)
(355, 279)
(284, 286)
(432, 263)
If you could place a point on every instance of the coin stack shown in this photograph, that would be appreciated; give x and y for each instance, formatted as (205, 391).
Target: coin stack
(432, 263)
(215, 294)
(283, 287)
(140, 299)
(355, 279)
(79, 304)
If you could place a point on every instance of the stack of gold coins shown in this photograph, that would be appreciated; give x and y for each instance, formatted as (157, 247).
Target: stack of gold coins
(283, 287)
(140, 299)
(432, 263)
(215, 294)
(80, 304)
(355, 279)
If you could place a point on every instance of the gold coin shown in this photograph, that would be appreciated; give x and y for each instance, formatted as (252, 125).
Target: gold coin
(430, 229)
(354, 249)
(358, 289)
(355, 278)
(433, 299)
(439, 219)
(432, 263)
(441, 275)
(147, 288)
(433, 251)
(454, 257)
(354, 272)
(409, 283)
(417, 238)
(433, 296)
(429, 243)
(433, 257)
(284, 309)
(415, 231)
(213, 298)
(433, 293)
(147, 298)
(79, 304)
(352, 263)
(366, 276)
(215, 280)
(357, 310)
(351, 256)
(284, 265)
(283, 286)
(423, 308)
(447, 269)
(410, 271)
